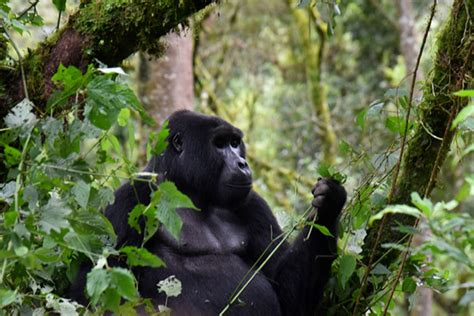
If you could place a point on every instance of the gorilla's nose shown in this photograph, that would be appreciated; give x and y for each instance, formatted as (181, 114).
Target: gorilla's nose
(242, 170)
(242, 164)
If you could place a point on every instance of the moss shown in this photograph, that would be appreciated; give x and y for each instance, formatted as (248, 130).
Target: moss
(118, 28)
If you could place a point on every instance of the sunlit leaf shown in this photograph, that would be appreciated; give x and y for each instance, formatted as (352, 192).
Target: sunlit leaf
(396, 209)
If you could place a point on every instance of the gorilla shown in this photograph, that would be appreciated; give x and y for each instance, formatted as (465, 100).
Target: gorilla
(234, 228)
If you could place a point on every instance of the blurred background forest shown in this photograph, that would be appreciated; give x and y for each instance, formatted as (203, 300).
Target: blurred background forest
(318, 88)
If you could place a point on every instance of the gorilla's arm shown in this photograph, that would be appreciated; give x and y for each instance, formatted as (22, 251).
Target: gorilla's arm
(299, 271)
(126, 198)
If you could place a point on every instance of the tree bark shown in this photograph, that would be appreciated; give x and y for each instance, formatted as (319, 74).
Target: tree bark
(108, 31)
(166, 84)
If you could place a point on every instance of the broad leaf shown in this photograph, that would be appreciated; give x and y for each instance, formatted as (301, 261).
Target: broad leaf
(347, 265)
(141, 257)
(53, 215)
(98, 281)
(169, 198)
(466, 112)
(396, 209)
(124, 282)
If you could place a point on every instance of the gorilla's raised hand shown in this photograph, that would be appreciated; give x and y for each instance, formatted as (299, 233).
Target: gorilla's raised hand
(329, 198)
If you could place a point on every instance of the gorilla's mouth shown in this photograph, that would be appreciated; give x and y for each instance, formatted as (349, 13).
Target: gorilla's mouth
(240, 185)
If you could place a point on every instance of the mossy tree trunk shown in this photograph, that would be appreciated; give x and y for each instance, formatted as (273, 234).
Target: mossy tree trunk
(313, 58)
(429, 146)
(108, 31)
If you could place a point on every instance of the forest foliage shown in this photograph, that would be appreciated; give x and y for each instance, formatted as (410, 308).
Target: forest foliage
(64, 152)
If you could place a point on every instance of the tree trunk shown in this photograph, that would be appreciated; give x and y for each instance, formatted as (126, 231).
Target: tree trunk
(409, 43)
(108, 31)
(166, 84)
(313, 60)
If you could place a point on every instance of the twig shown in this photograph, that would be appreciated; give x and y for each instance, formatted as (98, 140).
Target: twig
(32, 5)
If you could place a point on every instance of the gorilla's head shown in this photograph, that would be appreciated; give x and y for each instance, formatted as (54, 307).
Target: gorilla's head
(205, 158)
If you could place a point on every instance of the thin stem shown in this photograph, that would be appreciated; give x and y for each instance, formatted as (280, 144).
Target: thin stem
(20, 62)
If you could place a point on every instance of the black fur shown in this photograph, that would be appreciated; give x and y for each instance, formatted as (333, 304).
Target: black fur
(220, 243)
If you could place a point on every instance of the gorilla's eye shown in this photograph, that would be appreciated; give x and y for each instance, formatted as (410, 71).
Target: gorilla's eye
(220, 142)
(235, 142)
(177, 142)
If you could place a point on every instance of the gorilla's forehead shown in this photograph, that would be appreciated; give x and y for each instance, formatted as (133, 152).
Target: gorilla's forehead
(192, 122)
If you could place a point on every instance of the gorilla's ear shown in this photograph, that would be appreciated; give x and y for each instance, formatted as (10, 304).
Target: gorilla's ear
(177, 142)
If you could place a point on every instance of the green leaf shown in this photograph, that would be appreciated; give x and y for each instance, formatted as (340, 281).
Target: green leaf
(464, 93)
(380, 269)
(98, 281)
(124, 282)
(30, 195)
(141, 257)
(123, 117)
(53, 215)
(167, 199)
(395, 209)
(71, 81)
(81, 193)
(134, 216)
(345, 147)
(60, 5)
(347, 265)
(467, 298)
(409, 285)
(7, 297)
(303, 3)
(21, 115)
(12, 156)
(106, 98)
(463, 115)
(327, 171)
(161, 141)
(360, 118)
(91, 222)
(454, 252)
(424, 204)
(7, 191)
(397, 125)
(111, 299)
(103, 102)
(322, 229)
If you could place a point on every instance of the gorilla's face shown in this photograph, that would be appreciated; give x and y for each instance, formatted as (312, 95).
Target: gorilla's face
(235, 179)
(206, 160)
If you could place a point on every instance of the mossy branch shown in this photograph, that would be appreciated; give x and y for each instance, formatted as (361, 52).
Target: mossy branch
(106, 31)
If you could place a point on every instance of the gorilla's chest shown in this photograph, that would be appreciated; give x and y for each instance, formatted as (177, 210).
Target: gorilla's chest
(213, 232)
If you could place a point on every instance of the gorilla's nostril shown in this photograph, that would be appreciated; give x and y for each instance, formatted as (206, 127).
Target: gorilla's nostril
(242, 164)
